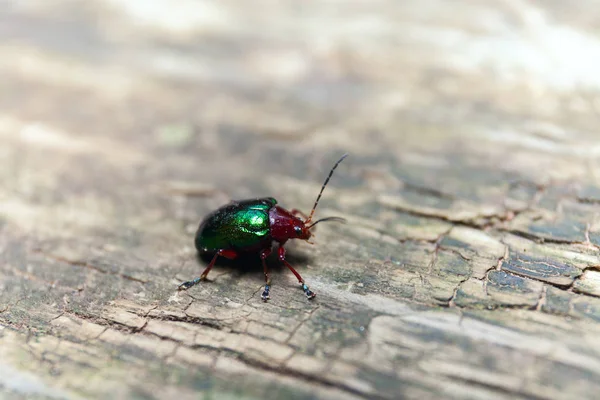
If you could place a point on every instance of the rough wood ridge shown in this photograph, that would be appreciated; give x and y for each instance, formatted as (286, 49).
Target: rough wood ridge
(470, 266)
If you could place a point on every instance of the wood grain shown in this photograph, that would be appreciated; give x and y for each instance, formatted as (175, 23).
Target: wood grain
(469, 267)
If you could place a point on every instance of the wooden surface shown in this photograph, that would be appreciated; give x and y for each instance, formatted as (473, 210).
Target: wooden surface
(469, 268)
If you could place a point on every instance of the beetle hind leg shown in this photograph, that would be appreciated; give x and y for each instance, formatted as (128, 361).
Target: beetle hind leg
(225, 253)
(188, 284)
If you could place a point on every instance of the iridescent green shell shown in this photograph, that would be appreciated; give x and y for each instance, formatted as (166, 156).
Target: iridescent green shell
(242, 225)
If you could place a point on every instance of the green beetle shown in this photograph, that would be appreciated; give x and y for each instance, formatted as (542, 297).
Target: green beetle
(252, 226)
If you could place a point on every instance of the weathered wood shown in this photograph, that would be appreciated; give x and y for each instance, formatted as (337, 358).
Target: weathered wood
(470, 266)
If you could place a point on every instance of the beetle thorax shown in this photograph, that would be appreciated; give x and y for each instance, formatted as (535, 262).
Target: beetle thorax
(285, 226)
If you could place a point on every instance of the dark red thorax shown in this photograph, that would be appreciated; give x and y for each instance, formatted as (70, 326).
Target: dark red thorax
(284, 225)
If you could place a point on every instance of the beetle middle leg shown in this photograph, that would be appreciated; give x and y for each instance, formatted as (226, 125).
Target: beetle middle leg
(230, 254)
(307, 291)
(263, 256)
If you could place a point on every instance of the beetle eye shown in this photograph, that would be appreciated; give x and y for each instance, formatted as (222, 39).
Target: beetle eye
(298, 230)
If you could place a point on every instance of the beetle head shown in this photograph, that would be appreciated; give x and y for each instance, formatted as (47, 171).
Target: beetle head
(301, 231)
(286, 226)
(304, 232)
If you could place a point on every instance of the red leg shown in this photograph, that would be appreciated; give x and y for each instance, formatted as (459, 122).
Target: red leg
(263, 256)
(225, 253)
(307, 291)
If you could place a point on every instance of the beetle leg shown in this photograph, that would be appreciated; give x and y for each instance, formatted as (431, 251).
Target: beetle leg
(263, 256)
(307, 291)
(225, 253)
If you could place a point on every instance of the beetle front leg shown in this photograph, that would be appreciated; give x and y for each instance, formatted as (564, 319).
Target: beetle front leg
(263, 256)
(225, 253)
(307, 291)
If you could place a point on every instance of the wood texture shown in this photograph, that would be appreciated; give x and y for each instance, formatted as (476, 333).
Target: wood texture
(469, 269)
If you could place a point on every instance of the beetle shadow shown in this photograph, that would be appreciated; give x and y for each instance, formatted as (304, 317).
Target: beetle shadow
(250, 263)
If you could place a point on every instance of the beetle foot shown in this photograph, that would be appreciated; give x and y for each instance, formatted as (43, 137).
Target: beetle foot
(310, 294)
(265, 295)
(189, 284)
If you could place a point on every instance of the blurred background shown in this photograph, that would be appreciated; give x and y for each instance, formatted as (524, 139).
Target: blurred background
(487, 82)
(484, 102)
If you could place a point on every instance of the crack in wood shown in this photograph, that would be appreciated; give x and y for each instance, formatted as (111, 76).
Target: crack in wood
(540, 239)
(208, 322)
(301, 323)
(497, 388)
(542, 299)
(85, 264)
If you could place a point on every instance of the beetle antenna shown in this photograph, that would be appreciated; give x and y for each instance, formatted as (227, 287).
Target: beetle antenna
(338, 219)
(312, 212)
